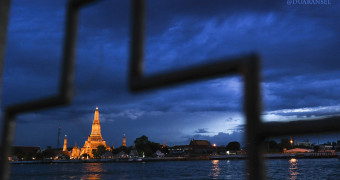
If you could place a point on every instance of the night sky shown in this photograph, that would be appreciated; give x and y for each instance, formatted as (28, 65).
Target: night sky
(298, 45)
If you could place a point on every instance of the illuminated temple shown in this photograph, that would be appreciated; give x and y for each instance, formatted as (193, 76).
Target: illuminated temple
(93, 141)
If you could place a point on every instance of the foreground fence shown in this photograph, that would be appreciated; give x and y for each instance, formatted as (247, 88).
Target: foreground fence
(247, 66)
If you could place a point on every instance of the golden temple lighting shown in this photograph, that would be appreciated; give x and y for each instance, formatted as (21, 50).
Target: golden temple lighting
(65, 144)
(94, 140)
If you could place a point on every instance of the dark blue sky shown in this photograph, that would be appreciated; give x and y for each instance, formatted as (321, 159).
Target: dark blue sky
(298, 44)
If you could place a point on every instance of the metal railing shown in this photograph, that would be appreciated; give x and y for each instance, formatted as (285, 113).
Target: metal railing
(247, 66)
(65, 94)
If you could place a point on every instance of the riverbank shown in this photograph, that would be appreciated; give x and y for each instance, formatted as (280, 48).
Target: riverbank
(281, 156)
(219, 157)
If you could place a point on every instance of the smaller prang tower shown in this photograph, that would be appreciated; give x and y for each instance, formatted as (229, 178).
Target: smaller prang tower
(124, 141)
(65, 143)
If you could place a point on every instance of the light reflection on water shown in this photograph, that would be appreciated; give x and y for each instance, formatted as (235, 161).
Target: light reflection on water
(293, 169)
(93, 171)
(277, 169)
(215, 169)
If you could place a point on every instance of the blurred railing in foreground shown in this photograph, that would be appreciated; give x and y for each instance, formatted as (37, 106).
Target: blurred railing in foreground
(247, 66)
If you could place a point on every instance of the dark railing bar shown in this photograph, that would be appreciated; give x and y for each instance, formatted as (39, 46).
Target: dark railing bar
(36, 105)
(201, 72)
(7, 126)
(8, 132)
(137, 41)
(272, 129)
(252, 110)
(4, 14)
(247, 66)
(63, 97)
(68, 66)
(79, 3)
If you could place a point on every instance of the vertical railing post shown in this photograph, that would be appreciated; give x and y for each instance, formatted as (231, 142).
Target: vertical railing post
(255, 165)
(4, 16)
(7, 138)
(69, 53)
(8, 122)
(137, 40)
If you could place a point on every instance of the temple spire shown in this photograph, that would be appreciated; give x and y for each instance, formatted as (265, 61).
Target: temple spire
(96, 116)
(94, 140)
(124, 140)
(65, 143)
(96, 124)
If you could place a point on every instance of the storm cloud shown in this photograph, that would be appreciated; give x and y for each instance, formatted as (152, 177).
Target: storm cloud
(298, 46)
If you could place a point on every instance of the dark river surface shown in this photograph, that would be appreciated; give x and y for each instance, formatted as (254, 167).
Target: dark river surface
(214, 169)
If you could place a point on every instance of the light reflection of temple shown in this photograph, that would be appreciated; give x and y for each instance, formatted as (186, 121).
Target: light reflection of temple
(93, 171)
(215, 169)
(293, 169)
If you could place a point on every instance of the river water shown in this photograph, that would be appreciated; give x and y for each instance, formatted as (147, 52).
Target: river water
(215, 169)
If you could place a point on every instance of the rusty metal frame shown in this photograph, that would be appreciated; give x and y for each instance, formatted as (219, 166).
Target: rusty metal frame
(248, 66)
(65, 93)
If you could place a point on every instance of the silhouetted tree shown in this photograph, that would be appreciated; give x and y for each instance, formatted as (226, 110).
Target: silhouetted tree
(141, 140)
(233, 146)
(146, 147)
(48, 152)
(97, 153)
(85, 155)
(127, 150)
(333, 145)
(285, 143)
(272, 147)
(165, 149)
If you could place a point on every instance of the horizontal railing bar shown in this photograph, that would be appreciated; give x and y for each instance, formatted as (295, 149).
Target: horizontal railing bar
(325, 125)
(79, 3)
(201, 72)
(37, 104)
